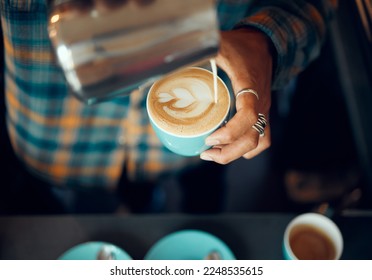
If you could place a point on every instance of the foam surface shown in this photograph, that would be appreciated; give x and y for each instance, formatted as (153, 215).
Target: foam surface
(183, 103)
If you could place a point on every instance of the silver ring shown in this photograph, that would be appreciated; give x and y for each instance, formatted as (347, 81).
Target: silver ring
(260, 125)
(247, 90)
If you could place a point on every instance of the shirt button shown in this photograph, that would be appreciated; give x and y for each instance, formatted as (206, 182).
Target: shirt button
(121, 140)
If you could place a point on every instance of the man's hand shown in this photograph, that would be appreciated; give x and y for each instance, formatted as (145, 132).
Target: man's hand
(245, 56)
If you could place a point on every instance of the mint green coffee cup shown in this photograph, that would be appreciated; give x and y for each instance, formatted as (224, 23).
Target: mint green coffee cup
(184, 110)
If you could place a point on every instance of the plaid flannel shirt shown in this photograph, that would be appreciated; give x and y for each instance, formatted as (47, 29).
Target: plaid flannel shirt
(73, 144)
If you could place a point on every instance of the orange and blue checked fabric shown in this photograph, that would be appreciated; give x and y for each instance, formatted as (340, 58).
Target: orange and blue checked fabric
(72, 144)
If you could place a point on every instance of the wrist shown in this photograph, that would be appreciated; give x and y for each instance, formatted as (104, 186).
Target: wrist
(260, 38)
(264, 42)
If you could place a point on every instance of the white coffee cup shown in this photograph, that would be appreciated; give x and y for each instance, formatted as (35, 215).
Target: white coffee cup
(312, 236)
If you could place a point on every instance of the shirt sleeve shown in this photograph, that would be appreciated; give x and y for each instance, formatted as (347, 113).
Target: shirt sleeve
(297, 29)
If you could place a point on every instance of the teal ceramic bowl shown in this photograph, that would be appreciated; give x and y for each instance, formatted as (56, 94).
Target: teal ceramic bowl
(188, 245)
(90, 250)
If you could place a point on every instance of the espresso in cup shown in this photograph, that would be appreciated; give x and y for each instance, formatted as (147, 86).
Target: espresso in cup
(311, 243)
(312, 236)
(184, 109)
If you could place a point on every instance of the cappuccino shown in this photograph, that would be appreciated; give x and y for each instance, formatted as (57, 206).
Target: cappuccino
(183, 103)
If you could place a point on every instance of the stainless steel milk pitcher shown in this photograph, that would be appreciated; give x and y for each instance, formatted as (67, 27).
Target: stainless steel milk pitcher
(109, 48)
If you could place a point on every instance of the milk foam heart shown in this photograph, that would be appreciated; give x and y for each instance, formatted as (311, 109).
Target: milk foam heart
(187, 102)
(183, 102)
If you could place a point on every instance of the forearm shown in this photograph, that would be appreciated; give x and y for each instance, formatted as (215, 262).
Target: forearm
(296, 28)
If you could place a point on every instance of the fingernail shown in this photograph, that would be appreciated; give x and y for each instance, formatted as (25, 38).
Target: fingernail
(206, 157)
(211, 142)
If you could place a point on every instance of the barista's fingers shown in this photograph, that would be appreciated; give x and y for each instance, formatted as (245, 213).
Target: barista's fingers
(248, 146)
(218, 146)
(237, 137)
(230, 152)
(263, 144)
(238, 126)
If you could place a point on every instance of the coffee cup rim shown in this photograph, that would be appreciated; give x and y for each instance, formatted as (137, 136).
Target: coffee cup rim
(195, 135)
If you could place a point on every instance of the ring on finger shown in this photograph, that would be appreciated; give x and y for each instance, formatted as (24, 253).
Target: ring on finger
(260, 125)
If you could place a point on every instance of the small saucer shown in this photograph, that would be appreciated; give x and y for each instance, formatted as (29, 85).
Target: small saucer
(90, 250)
(188, 245)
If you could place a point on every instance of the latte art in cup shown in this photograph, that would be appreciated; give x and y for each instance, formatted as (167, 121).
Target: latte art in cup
(183, 103)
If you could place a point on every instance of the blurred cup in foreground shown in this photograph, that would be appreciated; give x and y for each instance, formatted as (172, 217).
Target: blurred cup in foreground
(184, 110)
(312, 236)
